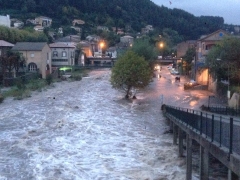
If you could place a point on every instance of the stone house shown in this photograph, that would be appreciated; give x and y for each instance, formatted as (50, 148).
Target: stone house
(37, 56)
(127, 39)
(204, 44)
(147, 29)
(87, 48)
(112, 52)
(103, 28)
(16, 23)
(63, 54)
(43, 21)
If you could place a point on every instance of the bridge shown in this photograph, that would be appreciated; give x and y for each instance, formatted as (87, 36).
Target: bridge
(216, 135)
(167, 60)
(101, 61)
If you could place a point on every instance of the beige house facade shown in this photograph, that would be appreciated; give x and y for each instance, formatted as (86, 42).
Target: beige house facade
(63, 54)
(43, 21)
(204, 44)
(37, 56)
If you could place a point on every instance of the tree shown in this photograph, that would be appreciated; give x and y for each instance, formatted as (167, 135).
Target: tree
(143, 48)
(188, 57)
(11, 63)
(130, 72)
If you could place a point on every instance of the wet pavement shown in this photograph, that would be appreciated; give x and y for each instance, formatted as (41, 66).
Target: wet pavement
(85, 130)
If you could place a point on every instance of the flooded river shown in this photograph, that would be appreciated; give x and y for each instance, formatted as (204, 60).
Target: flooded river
(85, 130)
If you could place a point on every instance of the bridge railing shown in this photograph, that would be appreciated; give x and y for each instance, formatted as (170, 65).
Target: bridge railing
(222, 130)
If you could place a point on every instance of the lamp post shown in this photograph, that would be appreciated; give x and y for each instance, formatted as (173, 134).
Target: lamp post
(161, 45)
(102, 44)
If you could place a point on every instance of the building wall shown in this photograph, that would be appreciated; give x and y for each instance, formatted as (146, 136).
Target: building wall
(87, 51)
(40, 58)
(46, 59)
(5, 21)
(234, 101)
(44, 21)
(202, 76)
(126, 39)
(60, 60)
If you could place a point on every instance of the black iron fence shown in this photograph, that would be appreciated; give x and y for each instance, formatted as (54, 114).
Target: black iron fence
(225, 110)
(222, 130)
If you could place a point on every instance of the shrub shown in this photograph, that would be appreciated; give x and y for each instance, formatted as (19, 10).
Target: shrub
(77, 77)
(1, 98)
(20, 84)
(36, 84)
(49, 79)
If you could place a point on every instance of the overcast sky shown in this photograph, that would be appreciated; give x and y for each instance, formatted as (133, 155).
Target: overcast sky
(228, 9)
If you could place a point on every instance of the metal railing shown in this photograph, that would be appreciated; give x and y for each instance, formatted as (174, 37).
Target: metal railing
(225, 110)
(222, 130)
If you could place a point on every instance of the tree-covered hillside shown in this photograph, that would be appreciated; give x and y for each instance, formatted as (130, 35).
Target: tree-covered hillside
(118, 13)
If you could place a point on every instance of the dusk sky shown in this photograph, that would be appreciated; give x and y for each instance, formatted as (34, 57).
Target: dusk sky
(228, 9)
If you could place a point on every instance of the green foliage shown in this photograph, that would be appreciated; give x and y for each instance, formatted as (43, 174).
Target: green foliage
(1, 98)
(49, 79)
(130, 71)
(15, 35)
(36, 84)
(20, 84)
(188, 58)
(190, 55)
(115, 13)
(143, 48)
(76, 77)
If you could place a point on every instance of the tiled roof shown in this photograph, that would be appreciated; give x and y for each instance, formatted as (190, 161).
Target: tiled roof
(5, 44)
(29, 46)
(61, 45)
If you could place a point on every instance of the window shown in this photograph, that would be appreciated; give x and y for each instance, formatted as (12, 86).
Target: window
(32, 55)
(55, 54)
(64, 54)
(32, 67)
(59, 60)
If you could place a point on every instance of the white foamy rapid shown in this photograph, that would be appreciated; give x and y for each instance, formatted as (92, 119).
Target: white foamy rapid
(85, 130)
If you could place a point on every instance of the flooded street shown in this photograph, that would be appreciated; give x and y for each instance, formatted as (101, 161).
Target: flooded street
(85, 130)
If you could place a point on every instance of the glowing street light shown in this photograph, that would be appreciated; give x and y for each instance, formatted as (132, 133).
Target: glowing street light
(102, 44)
(161, 45)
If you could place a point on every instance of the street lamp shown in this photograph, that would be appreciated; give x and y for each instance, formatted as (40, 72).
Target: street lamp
(102, 45)
(161, 45)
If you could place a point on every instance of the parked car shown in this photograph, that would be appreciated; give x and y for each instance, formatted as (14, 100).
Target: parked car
(174, 72)
(190, 84)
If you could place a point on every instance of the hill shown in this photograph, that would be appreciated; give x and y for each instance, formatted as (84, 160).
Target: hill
(119, 13)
